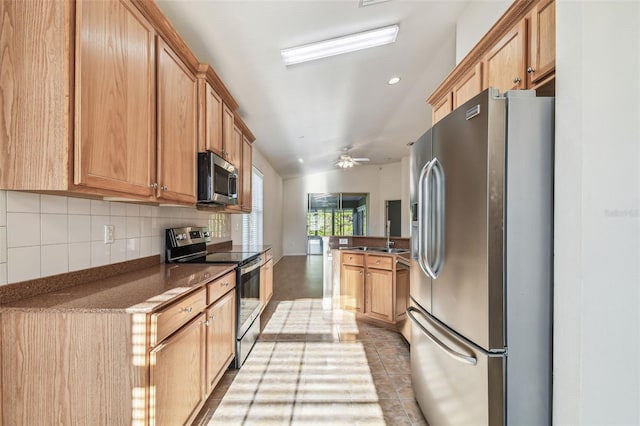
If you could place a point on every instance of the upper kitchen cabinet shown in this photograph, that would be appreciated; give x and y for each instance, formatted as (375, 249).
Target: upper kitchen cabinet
(505, 64)
(177, 127)
(115, 64)
(542, 45)
(216, 117)
(518, 52)
(246, 170)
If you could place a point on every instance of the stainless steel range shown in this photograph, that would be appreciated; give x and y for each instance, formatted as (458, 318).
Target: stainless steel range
(188, 245)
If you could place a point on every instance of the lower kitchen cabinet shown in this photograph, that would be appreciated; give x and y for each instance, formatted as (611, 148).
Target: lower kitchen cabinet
(374, 285)
(220, 340)
(266, 280)
(176, 379)
(142, 365)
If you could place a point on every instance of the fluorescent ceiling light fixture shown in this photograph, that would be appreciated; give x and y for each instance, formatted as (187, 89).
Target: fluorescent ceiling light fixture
(394, 80)
(300, 160)
(340, 45)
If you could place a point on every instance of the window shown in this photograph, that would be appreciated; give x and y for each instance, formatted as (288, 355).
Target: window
(252, 224)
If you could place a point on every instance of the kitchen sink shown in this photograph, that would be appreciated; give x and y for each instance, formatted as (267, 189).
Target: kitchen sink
(380, 249)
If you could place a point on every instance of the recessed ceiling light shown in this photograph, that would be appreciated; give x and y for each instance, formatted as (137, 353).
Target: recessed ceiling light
(394, 80)
(340, 45)
(300, 160)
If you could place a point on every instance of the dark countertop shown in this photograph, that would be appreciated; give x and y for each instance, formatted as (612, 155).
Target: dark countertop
(140, 291)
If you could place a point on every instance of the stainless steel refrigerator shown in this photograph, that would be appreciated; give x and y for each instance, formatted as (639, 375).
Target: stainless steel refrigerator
(481, 275)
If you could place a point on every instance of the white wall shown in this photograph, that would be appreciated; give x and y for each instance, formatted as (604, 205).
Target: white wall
(272, 208)
(597, 214)
(44, 235)
(475, 21)
(387, 182)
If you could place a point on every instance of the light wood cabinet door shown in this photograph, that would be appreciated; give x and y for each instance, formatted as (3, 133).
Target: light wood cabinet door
(379, 293)
(542, 42)
(177, 128)
(247, 173)
(469, 86)
(266, 283)
(235, 148)
(441, 108)
(227, 132)
(115, 98)
(504, 65)
(220, 338)
(402, 292)
(211, 114)
(352, 288)
(176, 375)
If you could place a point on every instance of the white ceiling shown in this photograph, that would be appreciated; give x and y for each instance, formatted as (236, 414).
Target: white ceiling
(316, 109)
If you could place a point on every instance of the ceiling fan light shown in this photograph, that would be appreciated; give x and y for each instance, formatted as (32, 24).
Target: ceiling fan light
(340, 45)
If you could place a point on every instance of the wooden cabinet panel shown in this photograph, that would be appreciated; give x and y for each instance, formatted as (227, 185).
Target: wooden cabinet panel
(352, 288)
(227, 132)
(379, 262)
(469, 86)
(115, 98)
(36, 132)
(266, 283)
(211, 118)
(247, 173)
(379, 293)
(234, 150)
(402, 292)
(542, 42)
(353, 259)
(176, 375)
(220, 322)
(441, 108)
(220, 287)
(504, 65)
(177, 128)
(172, 317)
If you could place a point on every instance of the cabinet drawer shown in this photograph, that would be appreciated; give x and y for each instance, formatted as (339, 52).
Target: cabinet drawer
(220, 286)
(380, 262)
(267, 256)
(353, 259)
(169, 319)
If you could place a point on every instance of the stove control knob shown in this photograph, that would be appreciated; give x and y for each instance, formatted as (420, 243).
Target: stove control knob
(180, 237)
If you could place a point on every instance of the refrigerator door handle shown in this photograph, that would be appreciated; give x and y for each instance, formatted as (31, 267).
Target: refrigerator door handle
(438, 175)
(423, 216)
(465, 359)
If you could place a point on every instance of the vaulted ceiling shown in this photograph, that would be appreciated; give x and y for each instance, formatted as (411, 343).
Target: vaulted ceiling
(313, 111)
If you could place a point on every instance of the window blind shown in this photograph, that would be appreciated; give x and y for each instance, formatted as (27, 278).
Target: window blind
(252, 224)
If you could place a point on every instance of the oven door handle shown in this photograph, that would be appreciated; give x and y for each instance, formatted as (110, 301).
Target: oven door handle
(251, 266)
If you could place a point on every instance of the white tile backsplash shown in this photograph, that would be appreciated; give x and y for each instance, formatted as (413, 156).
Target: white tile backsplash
(3, 273)
(3, 244)
(118, 209)
(23, 229)
(54, 259)
(118, 251)
(100, 253)
(43, 235)
(53, 204)
(99, 207)
(79, 228)
(79, 256)
(23, 202)
(23, 263)
(3, 208)
(54, 228)
(79, 206)
(97, 227)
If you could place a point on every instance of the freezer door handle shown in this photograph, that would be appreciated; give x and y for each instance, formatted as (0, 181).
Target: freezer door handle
(465, 359)
(439, 229)
(423, 216)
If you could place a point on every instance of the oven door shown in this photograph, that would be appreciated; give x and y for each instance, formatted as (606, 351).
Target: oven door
(248, 295)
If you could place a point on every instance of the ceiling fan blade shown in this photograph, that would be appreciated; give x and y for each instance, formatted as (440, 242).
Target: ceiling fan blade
(360, 159)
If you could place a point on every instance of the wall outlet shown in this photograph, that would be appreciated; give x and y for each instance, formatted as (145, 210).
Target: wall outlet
(343, 241)
(108, 234)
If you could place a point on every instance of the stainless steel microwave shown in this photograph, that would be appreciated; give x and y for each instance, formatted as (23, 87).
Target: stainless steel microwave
(217, 180)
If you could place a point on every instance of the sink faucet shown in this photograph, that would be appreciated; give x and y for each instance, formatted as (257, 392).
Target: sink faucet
(389, 242)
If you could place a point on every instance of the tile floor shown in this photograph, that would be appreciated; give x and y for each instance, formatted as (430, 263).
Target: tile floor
(315, 366)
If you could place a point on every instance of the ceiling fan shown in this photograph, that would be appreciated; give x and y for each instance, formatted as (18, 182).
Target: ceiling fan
(346, 161)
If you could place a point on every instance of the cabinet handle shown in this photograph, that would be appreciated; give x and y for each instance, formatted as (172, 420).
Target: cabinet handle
(207, 275)
(224, 284)
(206, 323)
(360, 272)
(212, 317)
(368, 274)
(164, 188)
(517, 80)
(531, 70)
(377, 262)
(154, 185)
(187, 309)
